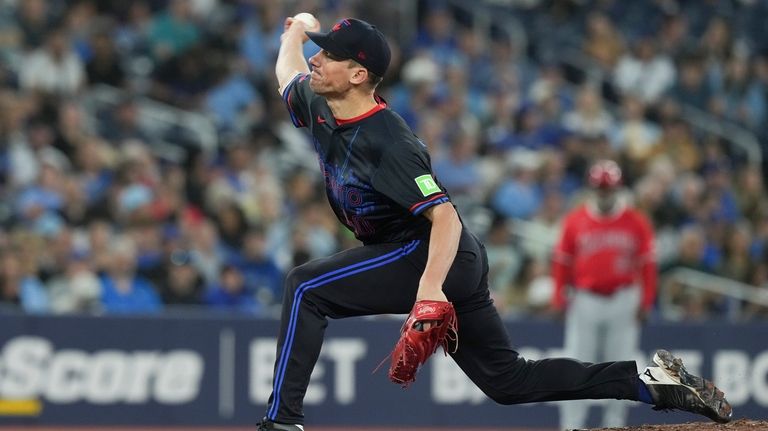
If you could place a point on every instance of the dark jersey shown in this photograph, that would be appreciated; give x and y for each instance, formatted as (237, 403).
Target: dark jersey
(378, 175)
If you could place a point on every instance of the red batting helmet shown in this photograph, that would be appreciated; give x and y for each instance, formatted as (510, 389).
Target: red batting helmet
(604, 174)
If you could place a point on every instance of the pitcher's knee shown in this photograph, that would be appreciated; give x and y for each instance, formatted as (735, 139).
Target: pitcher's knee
(299, 286)
(297, 277)
(295, 282)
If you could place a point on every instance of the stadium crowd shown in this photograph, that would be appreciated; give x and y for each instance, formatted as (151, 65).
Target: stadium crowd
(96, 217)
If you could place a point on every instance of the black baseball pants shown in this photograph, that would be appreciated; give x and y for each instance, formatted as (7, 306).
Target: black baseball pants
(383, 279)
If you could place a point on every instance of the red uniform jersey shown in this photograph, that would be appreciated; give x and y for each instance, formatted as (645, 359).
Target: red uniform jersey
(605, 253)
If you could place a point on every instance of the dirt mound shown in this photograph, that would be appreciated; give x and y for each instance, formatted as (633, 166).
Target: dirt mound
(737, 425)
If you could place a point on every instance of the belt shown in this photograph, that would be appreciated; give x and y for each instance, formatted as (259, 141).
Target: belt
(593, 291)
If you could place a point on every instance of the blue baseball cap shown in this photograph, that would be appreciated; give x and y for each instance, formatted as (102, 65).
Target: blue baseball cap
(357, 40)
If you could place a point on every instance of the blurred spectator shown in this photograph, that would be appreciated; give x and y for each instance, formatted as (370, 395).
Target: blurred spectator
(44, 197)
(474, 56)
(77, 289)
(438, 35)
(232, 226)
(534, 279)
(634, 136)
(150, 253)
(231, 294)
(645, 72)
(27, 150)
(80, 21)
(737, 260)
(750, 195)
(122, 290)
(690, 252)
(206, 250)
(552, 95)
(690, 255)
(677, 144)
(94, 174)
(19, 285)
(71, 127)
(504, 262)
(105, 66)
(589, 118)
(260, 37)
(459, 168)
(541, 232)
(232, 101)
(182, 80)
(500, 125)
(740, 99)
(34, 20)
(675, 36)
(416, 93)
(183, 284)
(132, 32)
(603, 42)
(716, 44)
(53, 68)
(692, 86)
(173, 31)
(261, 273)
(532, 132)
(123, 123)
(517, 196)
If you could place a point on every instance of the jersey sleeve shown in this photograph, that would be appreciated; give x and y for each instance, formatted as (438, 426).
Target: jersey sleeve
(405, 176)
(298, 97)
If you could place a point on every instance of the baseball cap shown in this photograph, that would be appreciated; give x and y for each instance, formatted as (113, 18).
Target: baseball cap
(604, 174)
(357, 40)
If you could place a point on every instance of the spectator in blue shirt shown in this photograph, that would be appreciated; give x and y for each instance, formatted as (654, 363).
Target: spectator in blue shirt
(260, 271)
(20, 287)
(231, 294)
(122, 291)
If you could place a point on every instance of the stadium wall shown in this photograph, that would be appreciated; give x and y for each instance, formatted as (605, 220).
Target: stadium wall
(216, 370)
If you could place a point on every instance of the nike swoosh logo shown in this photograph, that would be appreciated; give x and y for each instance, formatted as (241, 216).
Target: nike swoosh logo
(320, 120)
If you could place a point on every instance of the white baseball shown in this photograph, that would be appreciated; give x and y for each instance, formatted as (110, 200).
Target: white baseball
(309, 20)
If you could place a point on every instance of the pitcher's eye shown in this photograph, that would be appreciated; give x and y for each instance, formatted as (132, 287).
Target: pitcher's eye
(331, 56)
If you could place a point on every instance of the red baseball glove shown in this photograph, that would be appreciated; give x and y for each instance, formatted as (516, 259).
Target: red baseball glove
(430, 325)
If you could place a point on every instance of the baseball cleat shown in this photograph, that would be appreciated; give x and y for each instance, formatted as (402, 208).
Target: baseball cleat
(673, 387)
(266, 425)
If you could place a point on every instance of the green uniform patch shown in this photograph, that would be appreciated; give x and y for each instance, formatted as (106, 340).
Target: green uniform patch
(426, 184)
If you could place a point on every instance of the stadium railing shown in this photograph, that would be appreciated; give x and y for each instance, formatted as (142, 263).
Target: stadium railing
(158, 119)
(698, 283)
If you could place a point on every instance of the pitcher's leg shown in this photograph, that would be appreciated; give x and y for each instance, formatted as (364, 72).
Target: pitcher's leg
(354, 282)
(486, 356)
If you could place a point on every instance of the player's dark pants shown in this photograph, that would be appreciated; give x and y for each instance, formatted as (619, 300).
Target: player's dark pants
(383, 278)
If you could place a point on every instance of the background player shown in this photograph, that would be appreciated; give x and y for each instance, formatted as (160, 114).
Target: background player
(380, 185)
(604, 252)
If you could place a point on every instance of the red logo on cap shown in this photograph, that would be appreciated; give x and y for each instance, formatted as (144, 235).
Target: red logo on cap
(338, 25)
(361, 55)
